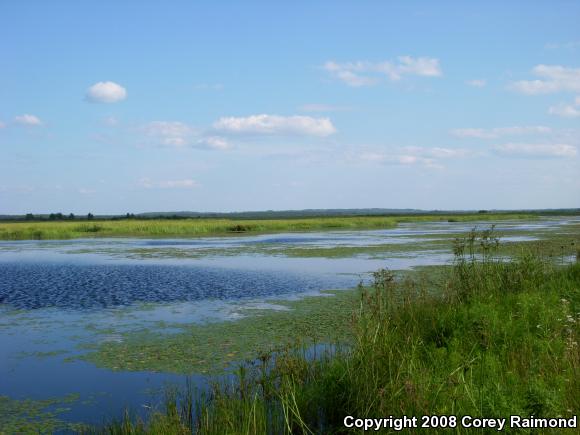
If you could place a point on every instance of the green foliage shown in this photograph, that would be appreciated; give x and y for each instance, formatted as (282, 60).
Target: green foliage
(132, 227)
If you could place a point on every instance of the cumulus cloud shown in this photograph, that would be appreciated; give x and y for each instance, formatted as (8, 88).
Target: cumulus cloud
(364, 73)
(535, 150)
(106, 92)
(28, 120)
(477, 83)
(168, 184)
(276, 125)
(492, 133)
(552, 79)
(566, 110)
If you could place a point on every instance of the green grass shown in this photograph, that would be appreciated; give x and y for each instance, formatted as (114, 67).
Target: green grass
(207, 227)
(486, 338)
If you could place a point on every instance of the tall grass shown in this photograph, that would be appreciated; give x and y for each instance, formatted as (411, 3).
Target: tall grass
(206, 227)
(496, 338)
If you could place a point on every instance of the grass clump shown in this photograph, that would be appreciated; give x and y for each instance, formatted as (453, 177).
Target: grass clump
(496, 338)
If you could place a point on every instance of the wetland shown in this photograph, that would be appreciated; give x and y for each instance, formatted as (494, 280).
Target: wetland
(91, 327)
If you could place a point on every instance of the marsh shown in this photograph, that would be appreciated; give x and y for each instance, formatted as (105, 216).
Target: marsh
(115, 321)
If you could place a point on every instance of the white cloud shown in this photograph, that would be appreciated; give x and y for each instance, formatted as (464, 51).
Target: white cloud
(535, 150)
(398, 159)
(365, 73)
(170, 133)
(215, 143)
(323, 108)
(566, 110)
(438, 152)
(480, 133)
(381, 157)
(492, 133)
(553, 78)
(348, 73)
(29, 120)
(534, 129)
(406, 159)
(477, 83)
(421, 66)
(276, 125)
(106, 92)
(168, 184)
(180, 135)
(406, 156)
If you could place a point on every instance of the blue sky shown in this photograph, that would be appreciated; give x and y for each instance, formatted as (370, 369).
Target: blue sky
(114, 107)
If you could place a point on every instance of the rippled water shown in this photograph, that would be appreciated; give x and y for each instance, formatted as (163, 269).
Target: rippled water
(58, 295)
(32, 286)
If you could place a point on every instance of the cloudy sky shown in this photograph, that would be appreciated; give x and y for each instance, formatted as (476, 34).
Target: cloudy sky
(115, 107)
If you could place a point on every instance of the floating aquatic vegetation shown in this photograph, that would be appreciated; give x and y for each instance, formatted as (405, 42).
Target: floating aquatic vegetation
(213, 347)
(35, 416)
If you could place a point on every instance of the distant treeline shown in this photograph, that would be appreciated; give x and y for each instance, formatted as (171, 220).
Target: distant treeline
(271, 214)
(62, 217)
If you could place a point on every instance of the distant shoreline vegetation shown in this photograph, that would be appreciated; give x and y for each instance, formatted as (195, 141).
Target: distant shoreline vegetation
(71, 227)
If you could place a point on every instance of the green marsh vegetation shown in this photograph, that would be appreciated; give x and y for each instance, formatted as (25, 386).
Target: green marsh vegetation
(35, 416)
(214, 347)
(551, 243)
(488, 337)
(564, 242)
(209, 227)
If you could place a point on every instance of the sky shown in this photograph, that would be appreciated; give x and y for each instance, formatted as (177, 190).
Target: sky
(140, 106)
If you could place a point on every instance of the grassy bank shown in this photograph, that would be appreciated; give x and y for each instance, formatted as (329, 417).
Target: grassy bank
(210, 227)
(495, 338)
